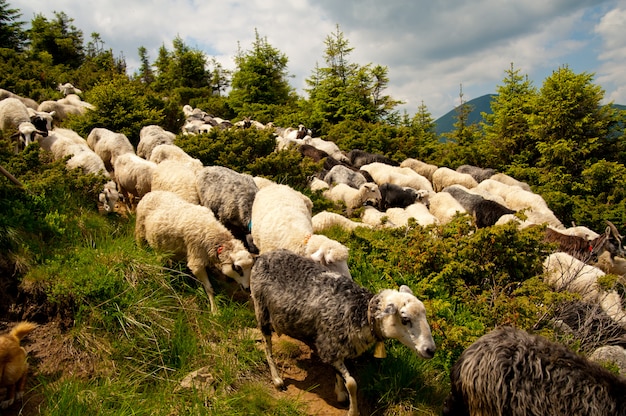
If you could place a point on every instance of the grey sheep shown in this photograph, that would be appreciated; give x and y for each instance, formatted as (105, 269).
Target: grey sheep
(229, 194)
(485, 211)
(337, 318)
(479, 174)
(511, 372)
(189, 231)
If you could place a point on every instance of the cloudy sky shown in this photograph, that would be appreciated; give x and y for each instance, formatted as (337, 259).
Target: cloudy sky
(431, 48)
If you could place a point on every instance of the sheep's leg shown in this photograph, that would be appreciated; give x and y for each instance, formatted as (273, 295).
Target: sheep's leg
(340, 389)
(201, 274)
(276, 379)
(350, 384)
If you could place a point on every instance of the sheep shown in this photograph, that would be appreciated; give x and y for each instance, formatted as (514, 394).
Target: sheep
(133, 175)
(262, 182)
(61, 110)
(509, 180)
(229, 194)
(68, 88)
(326, 146)
(164, 152)
(337, 318)
(109, 145)
(64, 142)
(42, 120)
(444, 206)
(581, 231)
(479, 174)
(423, 168)
(14, 116)
(358, 158)
(395, 196)
(109, 196)
(281, 218)
(343, 174)
(418, 211)
(565, 272)
(152, 136)
(177, 177)
(372, 216)
(485, 212)
(294, 134)
(611, 264)
(189, 231)
(315, 184)
(511, 372)
(325, 219)
(354, 198)
(444, 177)
(406, 177)
(585, 249)
(28, 102)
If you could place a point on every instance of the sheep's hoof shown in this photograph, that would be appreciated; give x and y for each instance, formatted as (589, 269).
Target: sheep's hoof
(280, 384)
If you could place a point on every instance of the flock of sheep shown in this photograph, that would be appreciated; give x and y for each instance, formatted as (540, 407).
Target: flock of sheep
(264, 236)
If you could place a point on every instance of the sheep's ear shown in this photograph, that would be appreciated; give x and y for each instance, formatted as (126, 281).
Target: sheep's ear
(406, 289)
(318, 256)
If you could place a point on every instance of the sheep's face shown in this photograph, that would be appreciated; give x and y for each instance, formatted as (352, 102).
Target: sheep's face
(238, 266)
(403, 317)
(372, 194)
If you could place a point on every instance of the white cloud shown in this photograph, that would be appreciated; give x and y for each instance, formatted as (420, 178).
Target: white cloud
(429, 47)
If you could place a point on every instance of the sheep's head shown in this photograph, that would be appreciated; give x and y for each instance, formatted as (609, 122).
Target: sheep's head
(400, 315)
(371, 194)
(329, 253)
(236, 262)
(109, 197)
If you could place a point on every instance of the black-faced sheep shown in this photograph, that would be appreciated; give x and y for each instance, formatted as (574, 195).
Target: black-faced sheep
(229, 194)
(511, 372)
(485, 211)
(337, 318)
(192, 232)
(359, 158)
(152, 136)
(281, 218)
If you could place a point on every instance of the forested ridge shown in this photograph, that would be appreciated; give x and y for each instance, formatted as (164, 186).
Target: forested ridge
(133, 322)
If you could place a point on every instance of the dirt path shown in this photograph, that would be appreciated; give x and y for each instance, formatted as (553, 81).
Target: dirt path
(51, 353)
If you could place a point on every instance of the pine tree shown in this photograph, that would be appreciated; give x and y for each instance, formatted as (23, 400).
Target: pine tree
(11, 34)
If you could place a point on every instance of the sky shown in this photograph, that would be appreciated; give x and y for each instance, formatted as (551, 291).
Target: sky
(432, 49)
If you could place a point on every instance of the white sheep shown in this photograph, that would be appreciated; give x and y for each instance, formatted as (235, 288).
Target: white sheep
(164, 152)
(28, 102)
(63, 142)
(354, 198)
(177, 177)
(133, 175)
(377, 219)
(418, 211)
(325, 219)
(444, 177)
(316, 184)
(423, 168)
(405, 177)
(68, 88)
(565, 272)
(192, 232)
(327, 146)
(444, 206)
(509, 180)
(152, 136)
(109, 196)
(262, 182)
(281, 218)
(15, 116)
(61, 109)
(109, 145)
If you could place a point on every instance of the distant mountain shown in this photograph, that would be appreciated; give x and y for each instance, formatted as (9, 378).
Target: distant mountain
(445, 123)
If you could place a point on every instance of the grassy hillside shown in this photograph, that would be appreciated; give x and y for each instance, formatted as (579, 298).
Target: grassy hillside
(122, 325)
